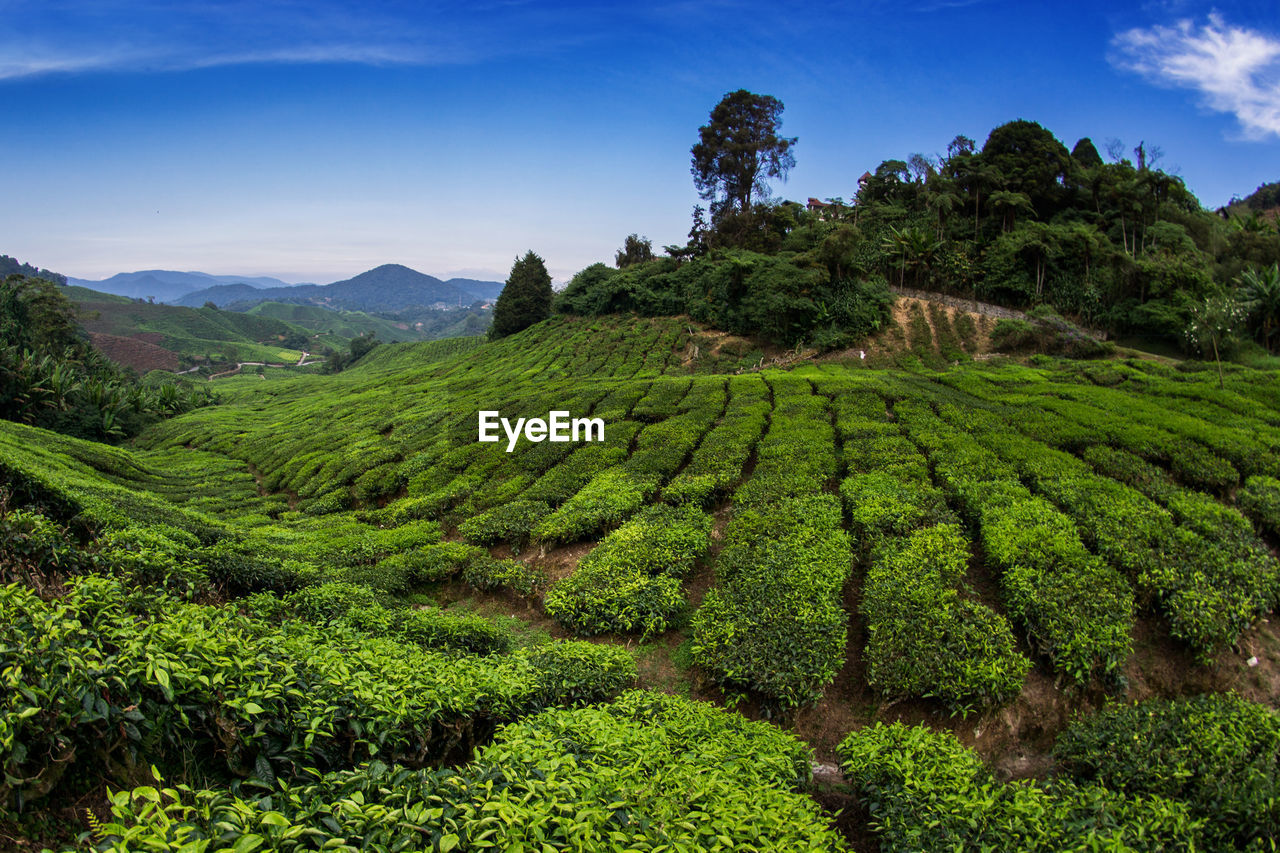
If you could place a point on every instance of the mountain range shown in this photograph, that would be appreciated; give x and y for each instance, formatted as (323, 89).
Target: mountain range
(388, 288)
(168, 285)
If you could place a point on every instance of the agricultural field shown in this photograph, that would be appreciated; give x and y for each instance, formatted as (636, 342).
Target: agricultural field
(335, 328)
(785, 604)
(148, 336)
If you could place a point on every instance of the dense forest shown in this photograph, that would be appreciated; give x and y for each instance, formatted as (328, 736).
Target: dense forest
(1116, 245)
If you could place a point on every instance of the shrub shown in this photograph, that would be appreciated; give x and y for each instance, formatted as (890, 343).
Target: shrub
(581, 673)
(512, 522)
(607, 500)
(927, 792)
(924, 639)
(486, 573)
(648, 772)
(1260, 499)
(432, 563)
(1218, 754)
(630, 581)
(464, 632)
(120, 679)
(775, 624)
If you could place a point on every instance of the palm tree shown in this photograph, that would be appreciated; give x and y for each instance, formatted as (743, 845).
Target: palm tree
(914, 248)
(941, 198)
(1089, 240)
(1260, 292)
(977, 176)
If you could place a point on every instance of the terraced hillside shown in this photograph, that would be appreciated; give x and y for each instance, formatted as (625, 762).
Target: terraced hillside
(920, 579)
(131, 333)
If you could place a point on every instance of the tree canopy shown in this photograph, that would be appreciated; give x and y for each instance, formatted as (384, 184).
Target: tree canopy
(525, 299)
(739, 151)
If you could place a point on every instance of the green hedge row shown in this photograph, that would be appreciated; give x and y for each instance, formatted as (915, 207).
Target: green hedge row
(797, 455)
(630, 582)
(1217, 753)
(646, 773)
(775, 624)
(1077, 609)
(716, 465)
(1211, 590)
(105, 680)
(927, 792)
(1260, 498)
(357, 606)
(923, 637)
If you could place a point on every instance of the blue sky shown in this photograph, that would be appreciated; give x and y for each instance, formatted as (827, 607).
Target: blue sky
(314, 139)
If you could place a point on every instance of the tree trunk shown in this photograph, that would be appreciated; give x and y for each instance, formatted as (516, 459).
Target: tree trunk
(1214, 341)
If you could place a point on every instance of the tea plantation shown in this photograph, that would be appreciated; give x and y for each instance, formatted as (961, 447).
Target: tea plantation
(279, 623)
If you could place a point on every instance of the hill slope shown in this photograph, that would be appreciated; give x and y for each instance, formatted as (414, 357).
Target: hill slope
(989, 551)
(130, 332)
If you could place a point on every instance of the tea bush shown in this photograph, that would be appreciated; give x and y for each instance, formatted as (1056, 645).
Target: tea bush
(104, 680)
(927, 792)
(924, 639)
(1219, 754)
(774, 624)
(631, 581)
(648, 772)
(1260, 498)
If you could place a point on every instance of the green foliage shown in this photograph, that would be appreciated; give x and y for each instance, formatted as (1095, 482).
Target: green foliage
(739, 150)
(1077, 609)
(525, 298)
(1218, 754)
(924, 639)
(635, 250)
(51, 376)
(118, 679)
(608, 499)
(927, 792)
(511, 522)
(1046, 332)
(774, 624)
(631, 581)
(648, 772)
(1260, 499)
(357, 348)
(486, 573)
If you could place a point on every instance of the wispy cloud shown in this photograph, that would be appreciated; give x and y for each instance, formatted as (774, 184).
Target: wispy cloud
(40, 37)
(1235, 70)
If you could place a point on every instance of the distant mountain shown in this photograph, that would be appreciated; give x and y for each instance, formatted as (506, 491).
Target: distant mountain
(223, 295)
(388, 288)
(487, 290)
(169, 285)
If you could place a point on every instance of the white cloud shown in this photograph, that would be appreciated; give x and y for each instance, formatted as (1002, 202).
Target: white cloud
(40, 37)
(1235, 70)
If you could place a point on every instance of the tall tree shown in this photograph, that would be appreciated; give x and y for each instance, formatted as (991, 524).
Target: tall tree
(635, 250)
(525, 299)
(1031, 161)
(740, 150)
(1086, 154)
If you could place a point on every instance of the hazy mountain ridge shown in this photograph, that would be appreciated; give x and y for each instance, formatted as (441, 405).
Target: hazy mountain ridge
(390, 287)
(169, 285)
